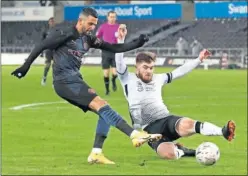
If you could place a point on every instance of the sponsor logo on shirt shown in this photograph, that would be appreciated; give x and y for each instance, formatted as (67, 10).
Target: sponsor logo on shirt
(148, 87)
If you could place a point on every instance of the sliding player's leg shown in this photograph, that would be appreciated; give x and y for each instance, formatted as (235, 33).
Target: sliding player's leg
(165, 147)
(187, 127)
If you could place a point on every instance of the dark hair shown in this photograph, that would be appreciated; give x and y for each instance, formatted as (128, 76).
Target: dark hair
(111, 12)
(147, 57)
(51, 19)
(88, 11)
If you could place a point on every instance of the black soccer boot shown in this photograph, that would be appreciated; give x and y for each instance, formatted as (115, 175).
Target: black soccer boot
(187, 152)
(229, 130)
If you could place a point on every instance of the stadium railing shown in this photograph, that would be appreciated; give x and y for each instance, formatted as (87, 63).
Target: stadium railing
(221, 57)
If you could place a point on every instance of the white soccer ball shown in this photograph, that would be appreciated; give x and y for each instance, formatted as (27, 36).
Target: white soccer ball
(207, 153)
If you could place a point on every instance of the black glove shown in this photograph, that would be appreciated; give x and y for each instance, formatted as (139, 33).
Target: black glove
(21, 71)
(143, 39)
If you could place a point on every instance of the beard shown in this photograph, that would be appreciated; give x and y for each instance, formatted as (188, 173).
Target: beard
(144, 78)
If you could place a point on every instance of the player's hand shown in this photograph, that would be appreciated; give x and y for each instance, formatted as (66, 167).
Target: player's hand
(143, 39)
(122, 31)
(204, 54)
(21, 71)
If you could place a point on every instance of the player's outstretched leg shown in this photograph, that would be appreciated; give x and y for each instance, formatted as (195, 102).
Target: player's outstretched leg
(114, 119)
(187, 127)
(96, 156)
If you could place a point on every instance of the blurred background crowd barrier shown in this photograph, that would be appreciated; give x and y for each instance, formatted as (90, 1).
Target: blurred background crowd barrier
(178, 30)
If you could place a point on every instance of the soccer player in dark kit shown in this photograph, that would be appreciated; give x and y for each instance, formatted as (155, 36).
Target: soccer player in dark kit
(69, 44)
(48, 53)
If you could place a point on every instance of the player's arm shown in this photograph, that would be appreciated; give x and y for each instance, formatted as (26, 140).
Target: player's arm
(52, 41)
(121, 26)
(118, 48)
(121, 66)
(185, 68)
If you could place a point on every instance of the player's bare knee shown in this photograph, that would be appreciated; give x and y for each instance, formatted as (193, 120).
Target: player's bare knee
(97, 103)
(185, 127)
(166, 151)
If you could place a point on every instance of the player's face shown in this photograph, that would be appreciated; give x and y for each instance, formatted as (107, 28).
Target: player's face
(145, 71)
(88, 24)
(112, 18)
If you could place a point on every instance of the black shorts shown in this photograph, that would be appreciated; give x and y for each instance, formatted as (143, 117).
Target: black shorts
(166, 127)
(108, 60)
(75, 91)
(49, 56)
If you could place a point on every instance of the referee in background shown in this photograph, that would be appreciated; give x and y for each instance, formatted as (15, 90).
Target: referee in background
(108, 32)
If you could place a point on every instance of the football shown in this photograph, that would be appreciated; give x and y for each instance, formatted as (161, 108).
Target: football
(207, 153)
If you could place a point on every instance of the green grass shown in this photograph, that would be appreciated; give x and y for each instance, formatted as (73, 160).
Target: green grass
(57, 138)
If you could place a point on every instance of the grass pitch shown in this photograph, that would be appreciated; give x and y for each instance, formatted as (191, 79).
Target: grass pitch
(56, 139)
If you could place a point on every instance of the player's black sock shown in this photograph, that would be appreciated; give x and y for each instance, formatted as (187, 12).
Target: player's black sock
(124, 127)
(198, 127)
(102, 130)
(113, 118)
(46, 69)
(113, 81)
(99, 140)
(106, 82)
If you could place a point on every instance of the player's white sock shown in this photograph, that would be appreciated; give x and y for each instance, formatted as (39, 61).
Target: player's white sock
(178, 153)
(97, 150)
(134, 133)
(209, 129)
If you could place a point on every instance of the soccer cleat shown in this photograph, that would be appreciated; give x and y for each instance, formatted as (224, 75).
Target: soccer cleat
(229, 130)
(187, 152)
(43, 81)
(143, 137)
(98, 158)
